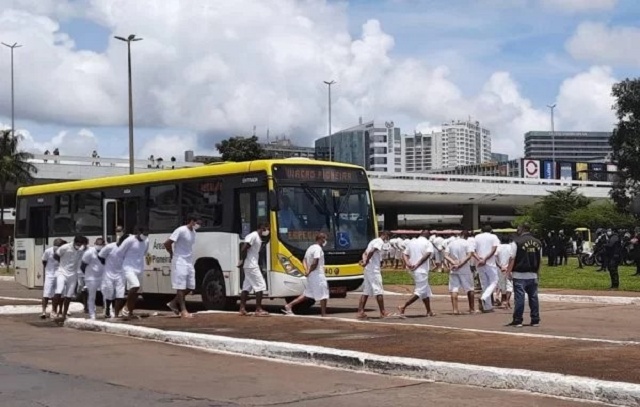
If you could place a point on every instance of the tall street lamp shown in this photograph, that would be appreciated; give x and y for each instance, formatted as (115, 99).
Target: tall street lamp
(13, 127)
(128, 40)
(329, 83)
(553, 140)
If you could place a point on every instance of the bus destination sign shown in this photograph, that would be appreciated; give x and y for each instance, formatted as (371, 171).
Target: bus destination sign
(318, 174)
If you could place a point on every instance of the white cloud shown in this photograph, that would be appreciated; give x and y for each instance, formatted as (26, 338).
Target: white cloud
(574, 6)
(217, 69)
(78, 144)
(595, 42)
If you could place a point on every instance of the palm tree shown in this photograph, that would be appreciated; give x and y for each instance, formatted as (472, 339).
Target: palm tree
(14, 168)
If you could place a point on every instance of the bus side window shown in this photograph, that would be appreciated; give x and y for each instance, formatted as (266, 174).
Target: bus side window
(21, 216)
(63, 224)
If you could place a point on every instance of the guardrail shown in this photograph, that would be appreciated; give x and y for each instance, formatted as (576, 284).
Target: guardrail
(487, 179)
(107, 162)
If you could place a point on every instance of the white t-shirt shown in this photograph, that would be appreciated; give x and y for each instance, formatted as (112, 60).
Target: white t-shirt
(113, 261)
(315, 252)
(458, 250)
(485, 242)
(95, 268)
(133, 251)
(253, 252)
(471, 240)
(375, 260)
(70, 258)
(416, 250)
(183, 240)
(503, 255)
(51, 263)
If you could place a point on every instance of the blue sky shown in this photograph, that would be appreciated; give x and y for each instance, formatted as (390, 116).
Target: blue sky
(500, 61)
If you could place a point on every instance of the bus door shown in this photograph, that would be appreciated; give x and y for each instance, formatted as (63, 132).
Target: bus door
(252, 204)
(123, 212)
(38, 230)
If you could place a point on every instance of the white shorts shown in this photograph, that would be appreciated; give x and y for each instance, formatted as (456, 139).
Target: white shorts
(423, 289)
(49, 289)
(183, 274)
(317, 286)
(253, 280)
(132, 278)
(372, 283)
(505, 285)
(66, 285)
(113, 287)
(460, 280)
(398, 254)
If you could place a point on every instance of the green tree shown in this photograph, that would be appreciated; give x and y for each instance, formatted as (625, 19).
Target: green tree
(551, 211)
(241, 149)
(599, 215)
(15, 168)
(625, 143)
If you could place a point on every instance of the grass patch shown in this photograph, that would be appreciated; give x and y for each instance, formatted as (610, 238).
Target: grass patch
(6, 272)
(564, 277)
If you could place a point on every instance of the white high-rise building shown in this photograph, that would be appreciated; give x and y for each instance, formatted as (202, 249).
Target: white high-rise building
(463, 143)
(420, 151)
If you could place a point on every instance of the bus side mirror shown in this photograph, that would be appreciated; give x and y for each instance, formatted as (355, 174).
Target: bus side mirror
(273, 201)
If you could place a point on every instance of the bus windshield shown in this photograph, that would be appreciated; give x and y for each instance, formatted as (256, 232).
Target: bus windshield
(344, 213)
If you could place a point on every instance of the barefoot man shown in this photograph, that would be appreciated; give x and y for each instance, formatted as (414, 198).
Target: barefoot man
(373, 276)
(416, 257)
(250, 263)
(459, 254)
(183, 275)
(317, 286)
(50, 265)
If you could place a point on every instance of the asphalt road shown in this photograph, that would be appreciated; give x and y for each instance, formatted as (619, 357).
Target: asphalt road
(59, 367)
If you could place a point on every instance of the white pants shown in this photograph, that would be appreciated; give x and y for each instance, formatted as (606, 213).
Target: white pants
(66, 285)
(462, 280)
(488, 281)
(422, 287)
(132, 278)
(317, 286)
(92, 288)
(112, 287)
(49, 289)
(183, 275)
(253, 280)
(504, 284)
(372, 283)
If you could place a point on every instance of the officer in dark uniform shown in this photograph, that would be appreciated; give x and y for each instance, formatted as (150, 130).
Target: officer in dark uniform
(613, 252)
(524, 270)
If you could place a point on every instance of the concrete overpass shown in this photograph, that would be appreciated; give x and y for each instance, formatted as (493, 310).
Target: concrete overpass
(394, 194)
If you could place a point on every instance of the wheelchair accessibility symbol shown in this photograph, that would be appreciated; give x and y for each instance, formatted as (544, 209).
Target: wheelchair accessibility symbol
(343, 241)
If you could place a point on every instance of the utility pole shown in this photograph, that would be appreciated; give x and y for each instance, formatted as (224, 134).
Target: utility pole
(13, 124)
(329, 83)
(553, 140)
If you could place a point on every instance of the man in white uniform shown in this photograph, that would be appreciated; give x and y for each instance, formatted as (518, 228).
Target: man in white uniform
(459, 254)
(486, 246)
(317, 286)
(416, 257)
(69, 255)
(250, 263)
(183, 274)
(50, 265)
(503, 256)
(93, 271)
(371, 259)
(133, 251)
(438, 257)
(113, 286)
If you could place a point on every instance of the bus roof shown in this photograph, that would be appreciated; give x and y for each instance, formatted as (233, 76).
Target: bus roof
(150, 177)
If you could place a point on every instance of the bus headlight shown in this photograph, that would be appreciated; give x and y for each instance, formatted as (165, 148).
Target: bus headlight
(288, 267)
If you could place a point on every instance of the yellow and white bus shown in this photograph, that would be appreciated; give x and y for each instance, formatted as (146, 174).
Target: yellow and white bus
(298, 197)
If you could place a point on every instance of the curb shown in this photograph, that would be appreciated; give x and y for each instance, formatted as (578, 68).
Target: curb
(550, 384)
(38, 300)
(7, 278)
(33, 309)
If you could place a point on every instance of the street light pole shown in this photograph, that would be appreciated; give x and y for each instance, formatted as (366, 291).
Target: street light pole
(329, 83)
(13, 126)
(128, 40)
(553, 140)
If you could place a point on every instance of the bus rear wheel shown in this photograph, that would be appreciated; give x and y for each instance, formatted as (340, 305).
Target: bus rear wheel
(214, 296)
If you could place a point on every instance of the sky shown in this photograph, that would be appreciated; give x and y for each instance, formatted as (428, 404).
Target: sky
(210, 69)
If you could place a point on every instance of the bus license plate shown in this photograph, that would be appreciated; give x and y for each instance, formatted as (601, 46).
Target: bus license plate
(338, 290)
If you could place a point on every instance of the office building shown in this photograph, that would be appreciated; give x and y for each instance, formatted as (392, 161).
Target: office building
(419, 151)
(511, 168)
(373, 145)
(499, 158)
(570, 146)
(463, 143)
(283, 147)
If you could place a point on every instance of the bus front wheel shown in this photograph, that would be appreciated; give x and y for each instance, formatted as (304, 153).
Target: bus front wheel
(214, 295)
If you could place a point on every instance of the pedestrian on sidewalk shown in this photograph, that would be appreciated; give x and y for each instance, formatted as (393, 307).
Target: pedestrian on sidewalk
(317, 287)
(250, 263)
(371, 261)
(524, 269)
(133, 251)
(50, 265)
(70, 256)
(93, 271)
(486, 247)
(417, 257)
(460, 253)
